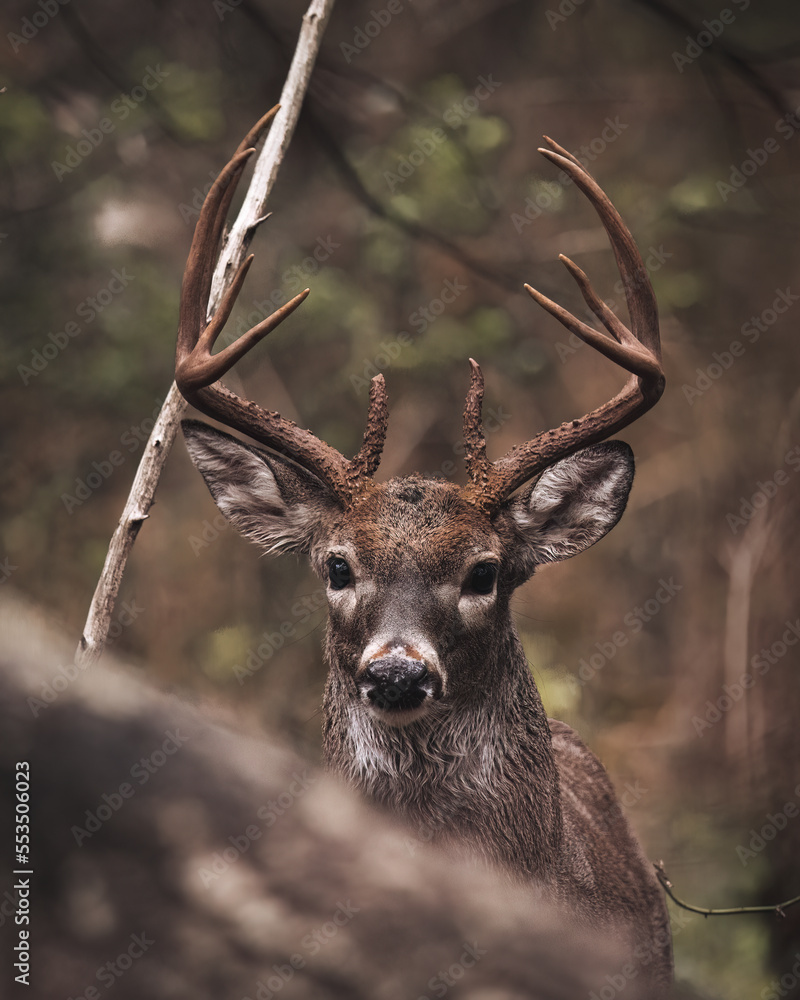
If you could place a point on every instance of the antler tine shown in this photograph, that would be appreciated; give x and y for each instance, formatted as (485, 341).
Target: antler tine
(637, 350)
(474, 438)
(639, 294)
(197, 370)
(365, 462)
(200, 263)
(207, 236)
(625, 349)
(482, 473)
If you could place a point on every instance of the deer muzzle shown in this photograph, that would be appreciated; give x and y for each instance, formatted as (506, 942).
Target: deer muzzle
(397, 679)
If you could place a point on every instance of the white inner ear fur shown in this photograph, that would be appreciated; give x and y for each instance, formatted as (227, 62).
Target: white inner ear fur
(246, 490)
(576, 501)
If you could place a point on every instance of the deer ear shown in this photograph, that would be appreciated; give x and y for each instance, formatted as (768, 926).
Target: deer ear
(574, 503)
(272, 501)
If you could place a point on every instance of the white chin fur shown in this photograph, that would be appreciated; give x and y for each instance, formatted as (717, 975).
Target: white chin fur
(401, 718)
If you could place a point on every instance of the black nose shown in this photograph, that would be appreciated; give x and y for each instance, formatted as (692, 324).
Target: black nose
(394, 683)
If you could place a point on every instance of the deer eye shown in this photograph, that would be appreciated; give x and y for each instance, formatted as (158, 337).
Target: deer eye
(338, 572)
(483, 577)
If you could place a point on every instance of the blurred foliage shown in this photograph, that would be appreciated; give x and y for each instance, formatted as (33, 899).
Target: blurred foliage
(408, 176)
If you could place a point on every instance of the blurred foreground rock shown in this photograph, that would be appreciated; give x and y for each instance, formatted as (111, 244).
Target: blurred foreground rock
(175, 858)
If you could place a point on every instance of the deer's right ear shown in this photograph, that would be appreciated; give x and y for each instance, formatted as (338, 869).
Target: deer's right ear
(271, 501)
(574, 503)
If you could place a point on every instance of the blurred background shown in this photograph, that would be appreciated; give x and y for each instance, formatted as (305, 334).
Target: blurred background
(414, 204)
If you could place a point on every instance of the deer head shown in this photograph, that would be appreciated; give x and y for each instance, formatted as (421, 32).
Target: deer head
(419, 572)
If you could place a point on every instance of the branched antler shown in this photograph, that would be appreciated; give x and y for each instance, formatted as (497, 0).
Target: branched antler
(637, 350)
(197, 370)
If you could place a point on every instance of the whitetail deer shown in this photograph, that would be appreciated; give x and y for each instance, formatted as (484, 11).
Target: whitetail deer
(430, 706)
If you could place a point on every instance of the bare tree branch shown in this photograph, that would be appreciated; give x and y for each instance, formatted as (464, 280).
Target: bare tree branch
(275, 146)
(737, 61)
(730, 911)
(140, 498)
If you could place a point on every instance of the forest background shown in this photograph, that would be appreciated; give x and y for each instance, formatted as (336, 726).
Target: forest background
(414, 204)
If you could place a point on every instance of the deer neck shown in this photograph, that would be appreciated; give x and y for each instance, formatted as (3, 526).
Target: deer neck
(453, 772)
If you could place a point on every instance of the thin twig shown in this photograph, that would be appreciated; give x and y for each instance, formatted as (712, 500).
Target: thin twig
(140, 498)
(776, 908)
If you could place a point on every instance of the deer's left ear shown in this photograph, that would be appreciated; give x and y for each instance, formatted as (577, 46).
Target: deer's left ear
(574, 503)
(272, 501)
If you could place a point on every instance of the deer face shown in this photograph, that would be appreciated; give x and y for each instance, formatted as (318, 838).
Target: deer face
(414, 578)
(418, 579)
